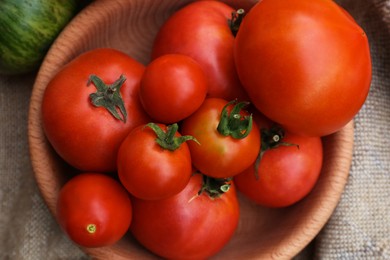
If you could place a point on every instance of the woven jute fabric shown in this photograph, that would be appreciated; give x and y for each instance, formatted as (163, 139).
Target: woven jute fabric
(358, 229)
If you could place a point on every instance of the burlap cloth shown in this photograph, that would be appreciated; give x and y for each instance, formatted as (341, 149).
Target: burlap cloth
(358, 229)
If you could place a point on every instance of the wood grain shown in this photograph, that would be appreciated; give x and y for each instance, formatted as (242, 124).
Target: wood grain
(130, 26)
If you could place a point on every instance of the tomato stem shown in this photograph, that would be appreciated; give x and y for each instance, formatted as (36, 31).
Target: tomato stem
(234, 124)
(236, 20)
(168, 140)
(270, 139)
(109, 96)
(215, 187)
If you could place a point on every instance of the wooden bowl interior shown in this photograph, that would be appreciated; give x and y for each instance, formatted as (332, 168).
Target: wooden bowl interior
(131, 26)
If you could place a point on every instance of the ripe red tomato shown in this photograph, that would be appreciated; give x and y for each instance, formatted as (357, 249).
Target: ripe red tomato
(172, 88)
(154, 162)
(188, 225)
(201, 30)
(304, 64)
(219, 155)
(84, 135)
(286, 173)
(94, 210)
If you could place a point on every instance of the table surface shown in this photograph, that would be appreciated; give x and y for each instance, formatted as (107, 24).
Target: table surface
(359, 227)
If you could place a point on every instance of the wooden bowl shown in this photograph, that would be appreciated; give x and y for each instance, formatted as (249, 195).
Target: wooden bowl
(130, 26)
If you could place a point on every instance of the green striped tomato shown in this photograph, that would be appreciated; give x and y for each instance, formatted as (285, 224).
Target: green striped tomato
(27, 29)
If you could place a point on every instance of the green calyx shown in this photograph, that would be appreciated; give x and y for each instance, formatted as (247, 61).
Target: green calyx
(109, 96)
(167, 140)
(235, 124)
(270, 139)
(236, 20)
(215, 187)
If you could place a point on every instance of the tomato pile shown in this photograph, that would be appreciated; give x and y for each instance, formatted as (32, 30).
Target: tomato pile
(230, 102)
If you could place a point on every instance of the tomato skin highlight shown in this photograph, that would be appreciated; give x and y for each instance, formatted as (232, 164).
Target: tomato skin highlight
(186, 226)
(286, 174)
(201, 30)
(173, 86)
(85, 136)
(149, 171)
(94, 210)
(218, 156)
(304, 64)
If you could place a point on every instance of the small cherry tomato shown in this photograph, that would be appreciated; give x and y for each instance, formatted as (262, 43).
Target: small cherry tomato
(287, 169)
(154, 161)
(173, 86)
(229, 138)
(94, 210)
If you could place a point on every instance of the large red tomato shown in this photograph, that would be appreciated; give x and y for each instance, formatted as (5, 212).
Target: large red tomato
(189, 225)
(305, 64)
(88, 135)
(201, 30)
(287, 170)
(154, 161)
(94, 210)
(229, 139)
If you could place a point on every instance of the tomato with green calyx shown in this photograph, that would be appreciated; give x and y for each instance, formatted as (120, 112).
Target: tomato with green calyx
(287, 169)
(194, 224)
(229, 138)
(90, 106)
(154, 161)
(94, 210)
